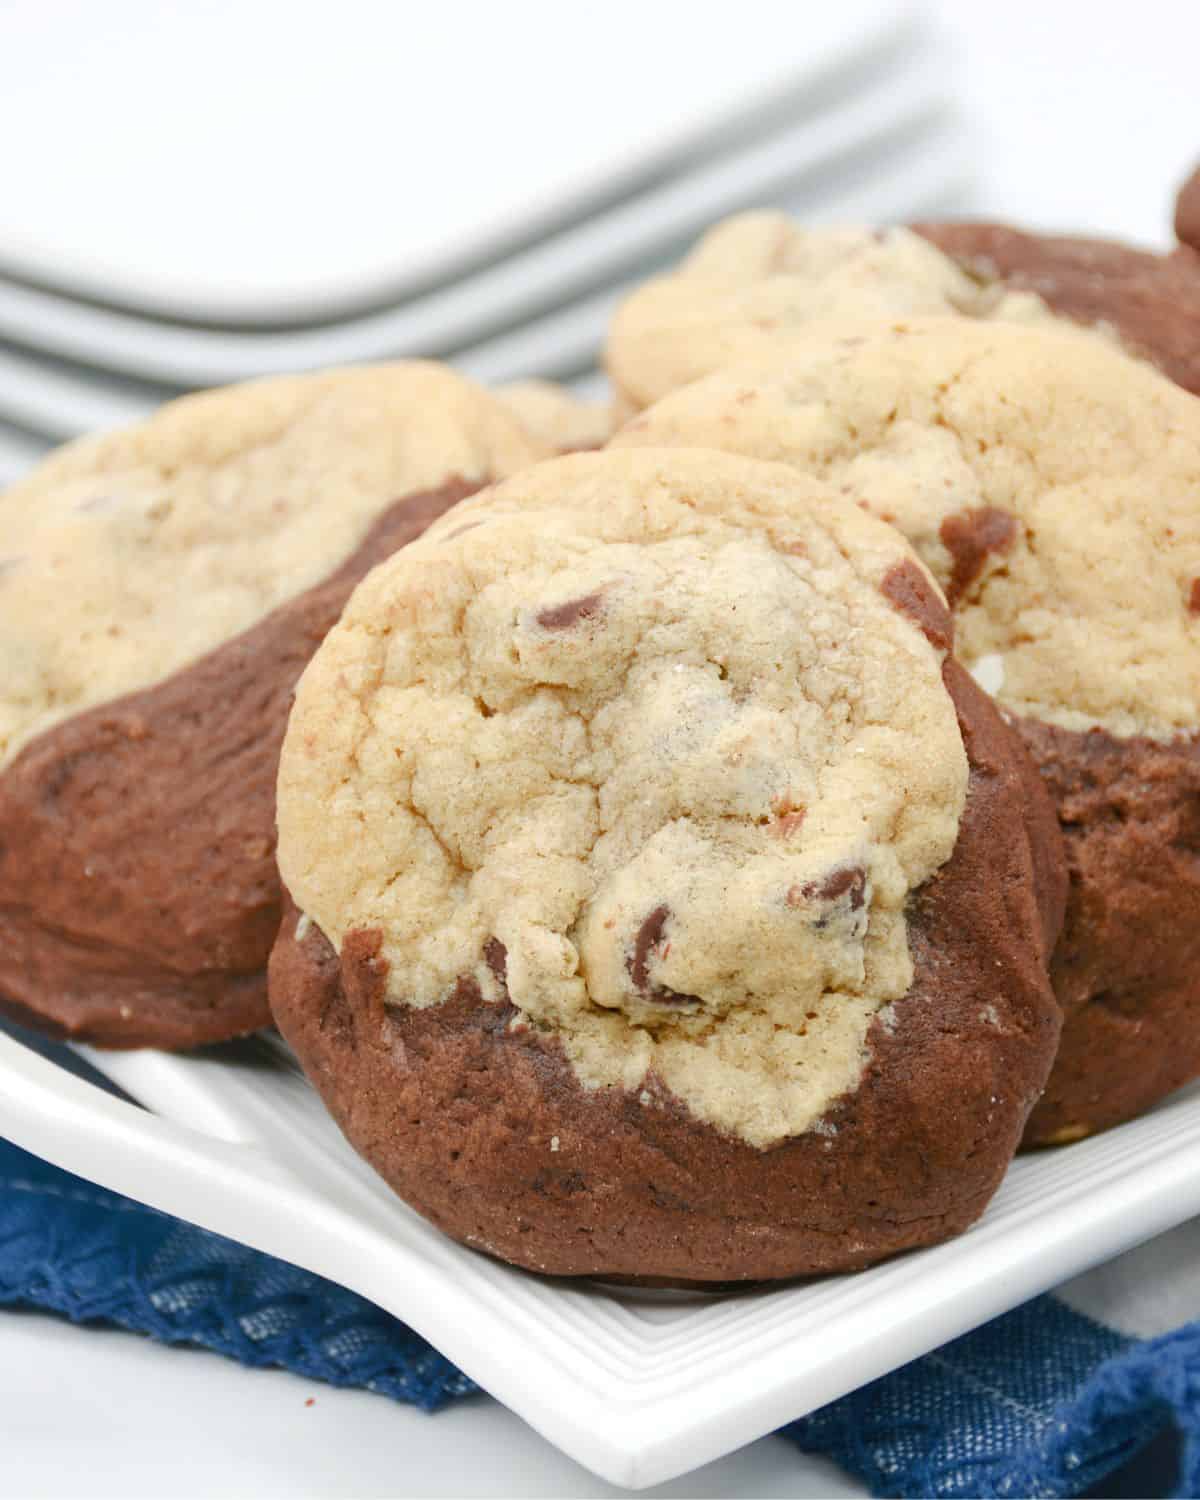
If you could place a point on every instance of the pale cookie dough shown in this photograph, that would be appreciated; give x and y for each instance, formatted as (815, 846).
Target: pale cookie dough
(1052, 485)
(555, 417)
(642, 758)
(160, 591)
(759, 279)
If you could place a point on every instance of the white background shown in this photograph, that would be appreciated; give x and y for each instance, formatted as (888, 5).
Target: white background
(1087, 116)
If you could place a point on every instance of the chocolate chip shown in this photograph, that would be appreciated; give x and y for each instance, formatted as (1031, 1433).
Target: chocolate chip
(563, 616)
(906, 587)
(968, 536)
(649, 936)
(1194, 598)
(850, 880)
(847, 884)
(495, 955)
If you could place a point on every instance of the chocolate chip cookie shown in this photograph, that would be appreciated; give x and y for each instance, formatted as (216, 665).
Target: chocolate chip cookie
(1052, 486)
(667, 902)
(160, 592)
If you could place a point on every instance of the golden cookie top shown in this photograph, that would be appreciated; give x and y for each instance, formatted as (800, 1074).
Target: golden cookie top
(125, 557)
(643, 738)
(1049, 482)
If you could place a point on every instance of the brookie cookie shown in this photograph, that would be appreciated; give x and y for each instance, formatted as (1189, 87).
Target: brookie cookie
(161, 590)
(667, 903)
(758, 280)
(1052, 486)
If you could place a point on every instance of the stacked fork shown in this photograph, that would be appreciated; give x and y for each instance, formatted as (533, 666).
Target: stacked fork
(275, 187)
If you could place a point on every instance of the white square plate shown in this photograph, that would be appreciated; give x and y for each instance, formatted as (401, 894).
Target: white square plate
(292, 161)
(638, 1388)
(872, 150)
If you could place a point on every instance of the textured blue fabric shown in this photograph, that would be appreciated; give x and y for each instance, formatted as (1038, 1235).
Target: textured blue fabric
(72, 1248)
(1039, 1402)
(1042, 1401)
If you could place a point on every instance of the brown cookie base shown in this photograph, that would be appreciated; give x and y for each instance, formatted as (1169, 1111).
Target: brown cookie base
(1152, 301)
(1127, 967)
(487, 1132)
(138, 891)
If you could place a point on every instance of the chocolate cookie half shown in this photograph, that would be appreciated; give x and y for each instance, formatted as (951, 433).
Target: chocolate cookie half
(161, 590)
(667, 904)
(1052, 486)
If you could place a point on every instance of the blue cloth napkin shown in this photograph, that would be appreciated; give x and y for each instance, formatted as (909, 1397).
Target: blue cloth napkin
(1043, 1401)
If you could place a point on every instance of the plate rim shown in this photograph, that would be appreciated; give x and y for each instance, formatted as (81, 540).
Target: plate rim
(619, 1408)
